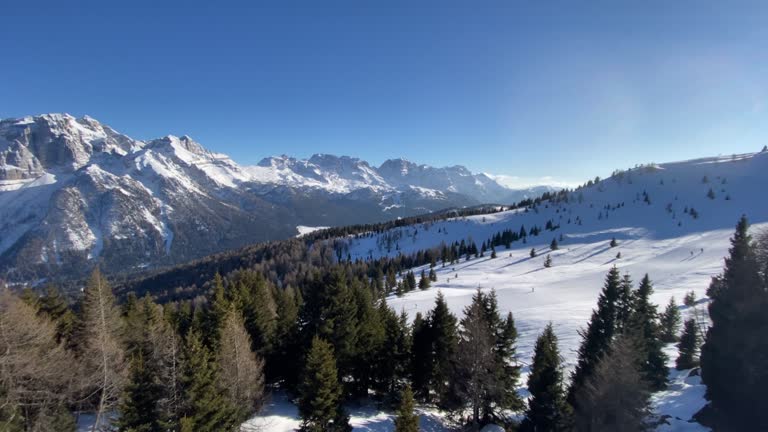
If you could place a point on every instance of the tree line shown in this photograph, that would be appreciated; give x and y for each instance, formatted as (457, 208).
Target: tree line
(205, 365)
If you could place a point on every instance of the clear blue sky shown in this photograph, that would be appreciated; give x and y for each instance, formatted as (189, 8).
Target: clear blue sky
(570, 90)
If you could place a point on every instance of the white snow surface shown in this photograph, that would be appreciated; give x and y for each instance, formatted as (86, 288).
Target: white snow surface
(281, 415)
(303, 229)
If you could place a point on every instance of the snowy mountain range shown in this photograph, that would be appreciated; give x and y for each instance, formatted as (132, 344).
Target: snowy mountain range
(75, 192)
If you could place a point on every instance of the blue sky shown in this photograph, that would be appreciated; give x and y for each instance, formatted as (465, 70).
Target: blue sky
(569, 90)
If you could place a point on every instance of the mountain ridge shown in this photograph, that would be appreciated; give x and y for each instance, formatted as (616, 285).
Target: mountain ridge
(75, 193)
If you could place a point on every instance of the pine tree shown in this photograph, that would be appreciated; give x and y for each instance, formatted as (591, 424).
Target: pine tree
(598, 335)
(553, 246)
(331, 313)
(624, 304)
(286, 355)
(154, 378)
(30, 297)
(614, 243)
(486, 370)
(614, 397)
(493, 252)
(320, 393)
(214, 316)
(548, 261)
(423, 281)
(399, 289)
(391, 364)
(690, 299)
(52, 303)
(533, 253)
(507, 367)
(139, 409)
(442, 324)
(733, 362)
(474, 381)
(547, 408)
(432, 275)
(254, 298)
(422, 359)
(370, 337)
(205, 406)
(391, 281)
(644, 325)
(410, 281)
(670, 322)
(407, 420)
(688, 346)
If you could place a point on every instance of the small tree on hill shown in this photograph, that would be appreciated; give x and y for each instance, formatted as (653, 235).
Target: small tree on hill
(734, 366)
(688, 346)
(432, 275)
(423, 281)
(597, 337)
(615, 397)
(320, 391)
(533, 253)
(548, 261)
(553, 246)
(670, 322)
(139, 407)
(690, 299)
(474, 379)
(644, 326)
(614, 243)
(206, 408)
(547, 408)
(407, 420)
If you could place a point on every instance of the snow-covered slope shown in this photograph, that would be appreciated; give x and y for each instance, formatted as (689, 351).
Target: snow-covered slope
(74, 192)
(666, 223)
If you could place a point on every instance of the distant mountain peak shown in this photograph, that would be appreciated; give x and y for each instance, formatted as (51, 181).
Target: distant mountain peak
(75, 193)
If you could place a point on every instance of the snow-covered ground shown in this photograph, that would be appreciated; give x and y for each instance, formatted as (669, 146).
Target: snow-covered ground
(280, 415)
(303, 229)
